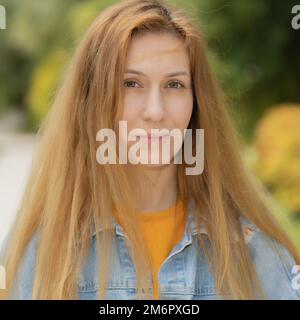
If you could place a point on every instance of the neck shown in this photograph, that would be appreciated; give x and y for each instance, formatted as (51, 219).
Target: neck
(158, 187)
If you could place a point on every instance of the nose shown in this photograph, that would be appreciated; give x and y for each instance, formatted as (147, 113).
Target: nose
(154, 106)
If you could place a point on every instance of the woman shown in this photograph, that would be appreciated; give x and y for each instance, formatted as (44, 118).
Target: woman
(130, 231)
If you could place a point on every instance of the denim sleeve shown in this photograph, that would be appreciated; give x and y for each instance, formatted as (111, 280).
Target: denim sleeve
(23, 282)
(276, 267)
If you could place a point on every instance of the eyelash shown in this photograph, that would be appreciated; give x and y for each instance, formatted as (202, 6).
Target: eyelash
(182, 86)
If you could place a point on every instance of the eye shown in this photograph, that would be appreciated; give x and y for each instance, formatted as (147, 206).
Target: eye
(178, 83)
(131, 83)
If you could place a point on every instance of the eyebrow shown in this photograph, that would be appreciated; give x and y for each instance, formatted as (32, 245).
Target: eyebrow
(173, 74)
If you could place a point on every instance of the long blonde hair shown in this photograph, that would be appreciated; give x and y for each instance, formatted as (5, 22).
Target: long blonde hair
(68, 193)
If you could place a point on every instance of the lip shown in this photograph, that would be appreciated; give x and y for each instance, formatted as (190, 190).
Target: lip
(153, 138)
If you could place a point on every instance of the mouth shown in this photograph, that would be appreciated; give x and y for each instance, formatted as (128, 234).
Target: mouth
(152, 138)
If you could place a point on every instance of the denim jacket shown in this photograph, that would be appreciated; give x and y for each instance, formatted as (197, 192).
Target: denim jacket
(184, 274)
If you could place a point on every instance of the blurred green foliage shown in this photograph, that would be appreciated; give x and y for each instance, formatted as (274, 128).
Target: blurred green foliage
(33, 28)
(43, 84)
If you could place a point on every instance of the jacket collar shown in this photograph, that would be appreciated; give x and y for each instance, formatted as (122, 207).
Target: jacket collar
(191, 224)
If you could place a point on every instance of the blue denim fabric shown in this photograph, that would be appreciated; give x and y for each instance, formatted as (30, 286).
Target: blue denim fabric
(184, 274)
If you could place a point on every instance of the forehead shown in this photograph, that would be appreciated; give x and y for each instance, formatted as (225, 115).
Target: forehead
(161, 49)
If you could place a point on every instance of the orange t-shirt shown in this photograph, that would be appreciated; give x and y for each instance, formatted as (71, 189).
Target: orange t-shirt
(161, 233)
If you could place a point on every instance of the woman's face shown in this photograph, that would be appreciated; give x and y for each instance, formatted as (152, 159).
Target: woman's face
(157, 90)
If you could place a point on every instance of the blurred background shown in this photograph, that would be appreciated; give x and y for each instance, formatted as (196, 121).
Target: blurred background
(253, 49)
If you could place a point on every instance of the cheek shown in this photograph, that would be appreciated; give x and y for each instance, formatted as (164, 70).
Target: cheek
(130, 108)
(129, 114)
(182, 112)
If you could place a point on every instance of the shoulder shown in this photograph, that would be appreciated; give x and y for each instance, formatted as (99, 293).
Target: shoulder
(23, 282)
(274, 264)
